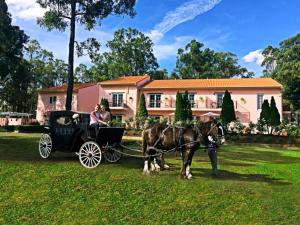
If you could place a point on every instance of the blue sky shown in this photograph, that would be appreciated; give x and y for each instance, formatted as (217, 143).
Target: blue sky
(243, 27)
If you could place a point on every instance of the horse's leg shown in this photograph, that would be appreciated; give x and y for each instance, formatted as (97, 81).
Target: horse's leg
(188, 168)
(152, 166)
(162, 162)
(146, 162)
(184, 162)
(156, 166)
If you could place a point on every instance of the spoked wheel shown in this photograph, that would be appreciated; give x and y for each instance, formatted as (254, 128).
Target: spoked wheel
(90, 154)
(111, 155)
(45, 146)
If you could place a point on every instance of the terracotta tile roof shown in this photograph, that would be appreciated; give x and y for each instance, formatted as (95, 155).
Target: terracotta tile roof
(214, 83)
(125, 80)
(63, 88)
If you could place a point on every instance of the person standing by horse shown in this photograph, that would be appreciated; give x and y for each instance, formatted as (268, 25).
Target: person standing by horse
(212, 149)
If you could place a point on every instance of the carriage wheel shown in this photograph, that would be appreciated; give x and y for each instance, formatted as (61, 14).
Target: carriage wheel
(90, 154)
(111, 155)
(45, 146)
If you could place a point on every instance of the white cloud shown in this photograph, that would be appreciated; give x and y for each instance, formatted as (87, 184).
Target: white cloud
(185, 12)
(26, 10)
(164, 51)
(254, 56)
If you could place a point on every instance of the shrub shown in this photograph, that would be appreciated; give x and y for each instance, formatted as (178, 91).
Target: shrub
(293, 129)
(238, 126)
(23, 128)
(251, 126)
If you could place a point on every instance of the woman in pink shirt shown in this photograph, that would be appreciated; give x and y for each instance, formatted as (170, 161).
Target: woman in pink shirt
(99, 118)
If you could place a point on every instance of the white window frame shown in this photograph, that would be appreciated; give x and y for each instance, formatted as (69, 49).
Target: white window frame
(156, 102)
(219, 103)
(258, 103)
(119, 100)
(192, 100)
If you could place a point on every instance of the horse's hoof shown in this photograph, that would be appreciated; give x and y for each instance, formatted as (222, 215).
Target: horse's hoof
(157, 168)
(166, 167)
(189, 176)
(146, 172)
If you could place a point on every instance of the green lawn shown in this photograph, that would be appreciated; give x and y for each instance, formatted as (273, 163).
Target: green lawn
(257, 185)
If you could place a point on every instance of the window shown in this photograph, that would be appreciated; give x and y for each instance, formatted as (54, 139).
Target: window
(117, 118)
(155, 117)
(219, 99)
(192, 100)
(117, 99)
(155, 100)
(52, 99)
(260, 98)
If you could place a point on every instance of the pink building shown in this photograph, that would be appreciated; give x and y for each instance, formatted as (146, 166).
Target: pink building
(123, 95)
(205, 95)
(85, 96)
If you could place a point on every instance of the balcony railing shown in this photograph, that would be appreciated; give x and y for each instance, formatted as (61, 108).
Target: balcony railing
(172, 104)
(117, 105)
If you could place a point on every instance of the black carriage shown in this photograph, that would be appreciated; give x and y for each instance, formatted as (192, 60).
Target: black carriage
(70, 132)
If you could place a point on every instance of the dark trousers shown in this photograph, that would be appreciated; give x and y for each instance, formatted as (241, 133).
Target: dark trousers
(95, 126)
(213, 156)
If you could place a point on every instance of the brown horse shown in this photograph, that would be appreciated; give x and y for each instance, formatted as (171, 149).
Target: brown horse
(184, 139)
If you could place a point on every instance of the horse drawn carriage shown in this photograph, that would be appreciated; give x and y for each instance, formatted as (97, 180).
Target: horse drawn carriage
(70, 132)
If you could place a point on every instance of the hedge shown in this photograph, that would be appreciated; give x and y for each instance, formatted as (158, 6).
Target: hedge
(263, 139)
(23, 128)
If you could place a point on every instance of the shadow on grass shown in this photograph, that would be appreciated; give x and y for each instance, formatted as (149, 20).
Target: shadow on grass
(233, 176)
(260, 156)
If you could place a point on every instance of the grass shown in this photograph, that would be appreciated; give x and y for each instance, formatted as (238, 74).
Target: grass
(257, 185)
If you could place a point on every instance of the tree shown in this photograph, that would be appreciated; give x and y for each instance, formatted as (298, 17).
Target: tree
(283, 65)
(227, 113)
(62, 14)
(274, 115)
(142, 110)
(159, 74)
(130, 53)
(12, 41)
(179, 107)
(105, 103)
(265, 115)
(16, 90)
(45, 71)
(187, 110)
(195, 62)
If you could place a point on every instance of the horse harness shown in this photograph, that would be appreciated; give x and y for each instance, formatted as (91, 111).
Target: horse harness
(180, 139)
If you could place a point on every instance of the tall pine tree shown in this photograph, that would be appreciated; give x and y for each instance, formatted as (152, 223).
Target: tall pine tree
(179, 108)
(227, 113)
(265, 114)
(274, 114)
(188, 114)
(142, 111)
(61, 15)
